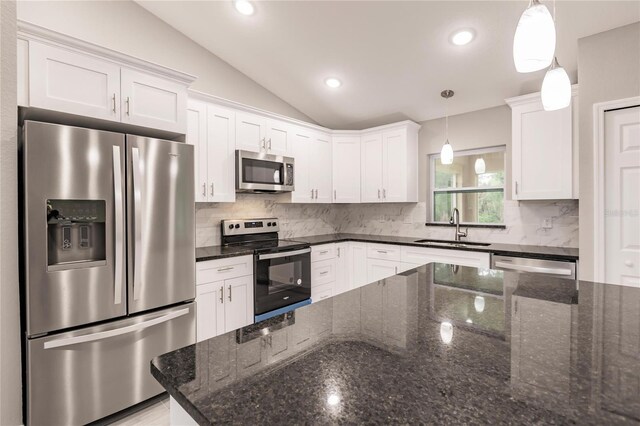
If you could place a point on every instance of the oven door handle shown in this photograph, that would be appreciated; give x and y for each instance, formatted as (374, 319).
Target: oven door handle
(283, 254)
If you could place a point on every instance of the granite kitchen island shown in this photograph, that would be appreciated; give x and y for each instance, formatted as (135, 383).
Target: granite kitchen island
(437, 344)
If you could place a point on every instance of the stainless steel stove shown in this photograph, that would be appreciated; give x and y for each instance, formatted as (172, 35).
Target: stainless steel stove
(282, 268)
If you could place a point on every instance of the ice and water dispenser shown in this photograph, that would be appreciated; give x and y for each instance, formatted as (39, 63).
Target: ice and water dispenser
(75, 234)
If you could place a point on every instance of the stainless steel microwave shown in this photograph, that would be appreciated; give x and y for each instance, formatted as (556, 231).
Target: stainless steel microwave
(262, 172)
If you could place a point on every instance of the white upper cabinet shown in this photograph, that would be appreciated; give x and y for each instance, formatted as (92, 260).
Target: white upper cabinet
(346, 169)
(71, 82)
(211, 129)
(278, 137)
(312, 154)
(251, 131)
(321, 167)
(389, 165)
(542, 150)
(371, 168)
(151, 101)
(197, 136)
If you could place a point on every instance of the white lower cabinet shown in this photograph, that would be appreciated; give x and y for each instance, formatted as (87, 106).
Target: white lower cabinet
(224, 296)
(323, 271)
(378, 269)
(422, 255)
(343, 279)
(357, 254)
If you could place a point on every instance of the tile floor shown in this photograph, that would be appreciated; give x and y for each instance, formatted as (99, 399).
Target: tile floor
(156, 414)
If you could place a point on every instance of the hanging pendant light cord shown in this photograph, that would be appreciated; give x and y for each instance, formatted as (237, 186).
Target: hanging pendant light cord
(446, 120)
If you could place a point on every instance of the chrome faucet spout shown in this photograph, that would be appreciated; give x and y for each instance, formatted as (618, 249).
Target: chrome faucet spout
(455, 220)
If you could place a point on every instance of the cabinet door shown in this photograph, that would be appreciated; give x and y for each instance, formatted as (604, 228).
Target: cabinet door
(358, 264)
(542, 153)
(346, 169)
(152, 101)
(62, 80)
(371, 300)
(371, 172)
(394, 165)
(250, 132)
(221, 146)
(197, 136)
(209, 310)
(238, 304)
(279, 136)
(321, 168)
(342, 282)
(302, 153)
(380, 269)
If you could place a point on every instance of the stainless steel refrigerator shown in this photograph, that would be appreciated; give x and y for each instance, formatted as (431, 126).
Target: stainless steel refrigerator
(108, 267)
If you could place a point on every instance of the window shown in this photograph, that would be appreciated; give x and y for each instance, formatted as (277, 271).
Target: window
(477, 191)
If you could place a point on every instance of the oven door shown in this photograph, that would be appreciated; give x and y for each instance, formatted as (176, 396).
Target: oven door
(282, 279)
(260, 172)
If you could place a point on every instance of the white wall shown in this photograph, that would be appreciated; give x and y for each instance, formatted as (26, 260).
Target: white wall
(608, 69)
(126, 27)
(10, 369)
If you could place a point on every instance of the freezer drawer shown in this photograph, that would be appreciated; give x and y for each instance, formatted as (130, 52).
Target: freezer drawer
(81, 376)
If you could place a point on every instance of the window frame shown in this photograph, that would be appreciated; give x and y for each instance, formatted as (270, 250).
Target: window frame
(452, 190)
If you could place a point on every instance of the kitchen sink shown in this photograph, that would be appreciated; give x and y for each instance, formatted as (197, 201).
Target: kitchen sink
(453, 243)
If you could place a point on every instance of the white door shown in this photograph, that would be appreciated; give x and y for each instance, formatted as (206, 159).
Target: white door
(153, 102)
(358, 264)
(394, 165)
(371, 172)
(221, 143)
(197, 136)
(278, 138)
(238, 303)
(622, 196)
(66, 81)
(209, 310)
(346, 169)
(250, 132)
(380, 269)
(302, 149)
(343, 281)
(321, 168)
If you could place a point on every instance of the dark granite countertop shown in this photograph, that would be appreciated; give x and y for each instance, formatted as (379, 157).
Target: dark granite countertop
(435, 345)
(220, 252)
(541, 252)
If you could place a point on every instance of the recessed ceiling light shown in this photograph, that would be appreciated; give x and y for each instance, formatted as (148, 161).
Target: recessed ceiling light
(245, 7)
(333, 82)
(462, 37)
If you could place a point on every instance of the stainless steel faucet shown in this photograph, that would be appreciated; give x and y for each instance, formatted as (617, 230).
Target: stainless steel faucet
(455, 220)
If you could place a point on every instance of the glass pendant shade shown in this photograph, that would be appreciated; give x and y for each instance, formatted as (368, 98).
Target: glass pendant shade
(478, 303)
(556, 88)
(534, 43)
(480, 166)
(446, 332)
(446, 155)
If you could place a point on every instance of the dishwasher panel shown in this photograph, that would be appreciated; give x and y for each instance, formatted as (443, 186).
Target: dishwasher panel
(553, 268)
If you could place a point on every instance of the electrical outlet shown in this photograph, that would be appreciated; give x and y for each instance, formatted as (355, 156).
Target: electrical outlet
(547, 223)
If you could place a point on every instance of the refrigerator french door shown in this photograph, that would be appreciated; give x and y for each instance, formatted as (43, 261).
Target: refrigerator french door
(108, 267)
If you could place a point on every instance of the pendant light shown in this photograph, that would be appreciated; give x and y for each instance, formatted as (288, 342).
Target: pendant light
(534, 43)
(446, 155)
(556, 86)
(480, 166)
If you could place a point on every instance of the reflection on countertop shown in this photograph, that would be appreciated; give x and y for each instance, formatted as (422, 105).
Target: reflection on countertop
(436, 344)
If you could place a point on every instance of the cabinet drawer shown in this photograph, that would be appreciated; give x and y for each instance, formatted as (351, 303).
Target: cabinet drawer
(323, 272)
(323, 252)
(383, 252)
(222, 269)
(321, 292)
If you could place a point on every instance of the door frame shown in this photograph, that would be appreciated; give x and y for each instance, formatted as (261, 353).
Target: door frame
(599, 110)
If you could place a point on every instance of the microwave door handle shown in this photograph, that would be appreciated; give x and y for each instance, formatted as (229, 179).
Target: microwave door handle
(118, 225)
(137, 213)
(283, 254)
(101, 335)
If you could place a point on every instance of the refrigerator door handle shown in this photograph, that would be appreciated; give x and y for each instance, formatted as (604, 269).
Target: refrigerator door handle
(137, 210)
(67, 341)
(119, 224)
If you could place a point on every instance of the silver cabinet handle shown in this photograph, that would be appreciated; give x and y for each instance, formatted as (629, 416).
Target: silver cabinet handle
(527, 268)
(324, 272)
(127, 103)
(324, 252)
(516, 187)
(384, 193)
(316, 194)
(113, 101)
(221, 294)
(338, 251)
(264, 144)
(312, 194)
(137, 212)
(118, 196)
(378, 194)
(382, 251)
(229, 293)
(86, 338)
(204, 189)
(227, 268)
(212, 189)
(269, 144)
(335, 194)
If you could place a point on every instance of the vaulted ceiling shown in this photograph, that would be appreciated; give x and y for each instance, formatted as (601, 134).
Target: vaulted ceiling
(393, 57)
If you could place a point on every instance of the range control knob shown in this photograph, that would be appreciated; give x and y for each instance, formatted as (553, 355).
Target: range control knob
(274, 224)
(230, 226)
(237, 225)
(268, 223)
